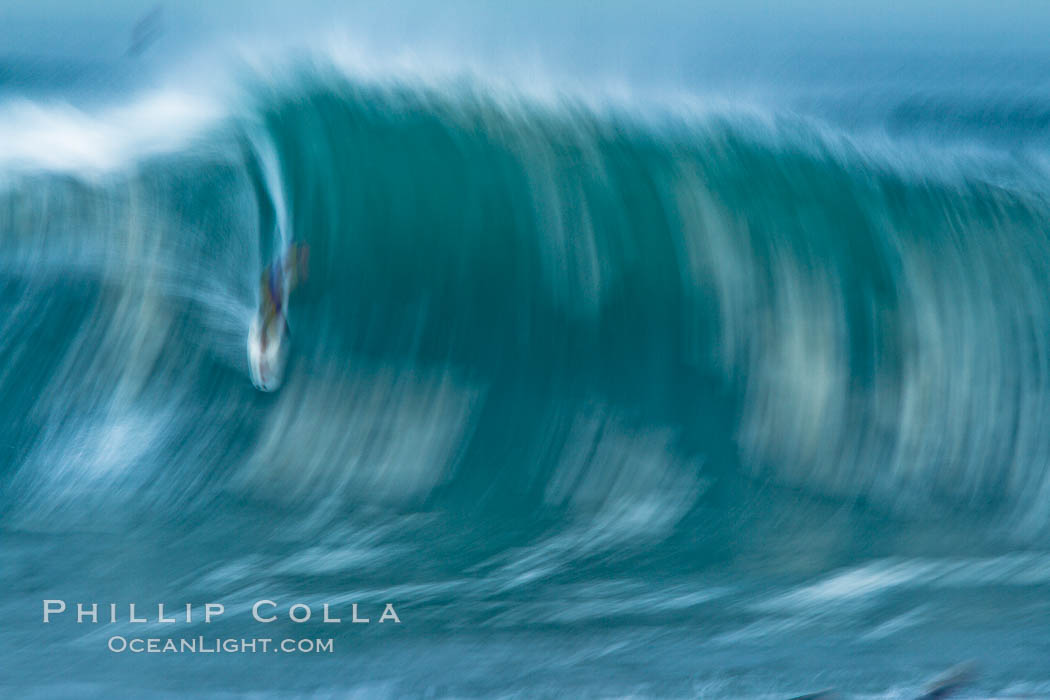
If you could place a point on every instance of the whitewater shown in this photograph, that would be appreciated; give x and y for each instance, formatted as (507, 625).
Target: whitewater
(612, 394)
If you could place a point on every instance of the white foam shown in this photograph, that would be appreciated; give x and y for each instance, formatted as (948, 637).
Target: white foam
(59, 136)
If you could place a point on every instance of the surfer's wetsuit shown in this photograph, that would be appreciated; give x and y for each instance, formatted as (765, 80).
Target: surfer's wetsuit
(270, 293)
(290, 265)
(275, 284)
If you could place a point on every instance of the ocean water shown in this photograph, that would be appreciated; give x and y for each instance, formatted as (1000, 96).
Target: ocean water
(608, 392)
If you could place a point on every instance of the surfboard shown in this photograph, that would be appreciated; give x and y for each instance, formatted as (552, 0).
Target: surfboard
(266, 361)
(266, 365)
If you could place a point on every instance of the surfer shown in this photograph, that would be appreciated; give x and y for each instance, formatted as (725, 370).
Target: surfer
(289, 269)
(268, 332)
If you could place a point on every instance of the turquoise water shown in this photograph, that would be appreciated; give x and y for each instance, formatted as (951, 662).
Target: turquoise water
(608, 397)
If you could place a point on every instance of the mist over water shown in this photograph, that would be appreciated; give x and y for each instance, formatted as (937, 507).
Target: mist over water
(666, 354)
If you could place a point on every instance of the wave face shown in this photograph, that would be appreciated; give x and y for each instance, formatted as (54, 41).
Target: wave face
(541, 343)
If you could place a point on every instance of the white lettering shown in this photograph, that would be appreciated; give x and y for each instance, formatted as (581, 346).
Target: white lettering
(291, 612)
(255, 610)
(50, 609)
(213, 609)
(160, 614)
(389, 614)
(327, 618)
(132, 618)
(82, 612)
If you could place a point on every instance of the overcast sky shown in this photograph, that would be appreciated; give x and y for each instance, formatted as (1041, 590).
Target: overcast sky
(675, 41)
(77, 26)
